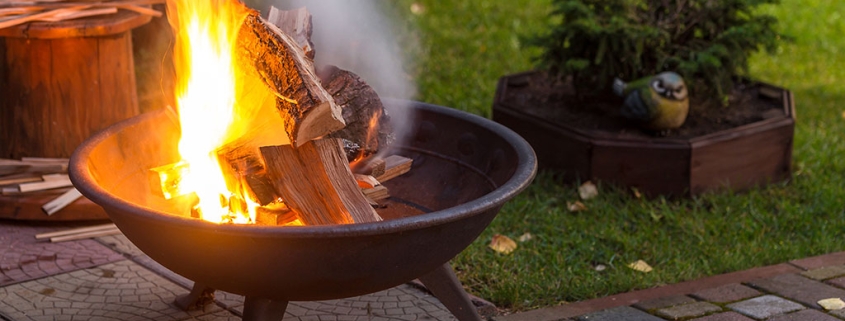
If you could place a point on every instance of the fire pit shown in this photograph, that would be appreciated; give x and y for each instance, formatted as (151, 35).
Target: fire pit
(465, 168)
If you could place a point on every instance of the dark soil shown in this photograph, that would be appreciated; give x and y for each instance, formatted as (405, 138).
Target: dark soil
(555, 101)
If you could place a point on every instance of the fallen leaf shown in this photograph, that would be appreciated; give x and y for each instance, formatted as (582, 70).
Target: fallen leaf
(577, 206)
(641, 266)
(588, 190)
(832, 304)
(843, 115)
(525, 237)
(636, 192)
(417, 8)
(600, 267)
(502, 244)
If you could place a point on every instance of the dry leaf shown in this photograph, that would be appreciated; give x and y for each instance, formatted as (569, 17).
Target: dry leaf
(502, 244)
(641, 266)
(636, 192)
(843, 115)
(417, 8)
(577, 206)
(600, 267)
(832, 304)
(588, 190)
(525, 237)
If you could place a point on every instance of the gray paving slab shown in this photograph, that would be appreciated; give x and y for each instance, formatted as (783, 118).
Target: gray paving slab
(689, 310)
(825, 273)
(23, 258)
(621, 313)
(404, 302)
(766, 306)
(122, 291)
(664, 302)
(799, 289)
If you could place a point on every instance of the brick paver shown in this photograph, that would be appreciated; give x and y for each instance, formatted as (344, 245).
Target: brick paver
(804, 315)
(726, 316)
(22, 258)
(799, 289)
(726, 293)
(765, 306)
(664, 302)
(621, 313)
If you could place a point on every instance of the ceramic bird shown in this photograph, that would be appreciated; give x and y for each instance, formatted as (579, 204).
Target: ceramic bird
(657, 102)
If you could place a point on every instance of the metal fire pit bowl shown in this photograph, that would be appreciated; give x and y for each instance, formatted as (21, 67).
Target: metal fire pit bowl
(465, 168)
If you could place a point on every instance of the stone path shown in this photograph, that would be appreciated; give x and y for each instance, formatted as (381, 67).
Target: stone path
(783, 292)
(108, 278)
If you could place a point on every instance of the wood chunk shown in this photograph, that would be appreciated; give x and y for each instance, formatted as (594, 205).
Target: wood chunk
(164, 180)
(367, 122)
(377, 193)
(394, 166)
(296, 23)
(274, 214)
(373, 167)
(307, 110)
(315, 181)
(366, 181)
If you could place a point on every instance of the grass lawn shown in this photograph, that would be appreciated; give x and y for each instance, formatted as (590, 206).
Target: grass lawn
(467, 45)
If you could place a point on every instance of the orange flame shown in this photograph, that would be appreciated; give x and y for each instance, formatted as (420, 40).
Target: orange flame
(217, 102)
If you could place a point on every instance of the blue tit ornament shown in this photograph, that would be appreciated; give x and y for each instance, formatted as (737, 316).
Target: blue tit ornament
(658, 102)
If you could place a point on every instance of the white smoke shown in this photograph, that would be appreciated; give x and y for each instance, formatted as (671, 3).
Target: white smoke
(358, 36)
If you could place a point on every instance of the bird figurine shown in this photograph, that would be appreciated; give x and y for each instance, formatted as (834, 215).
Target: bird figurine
(658, 102)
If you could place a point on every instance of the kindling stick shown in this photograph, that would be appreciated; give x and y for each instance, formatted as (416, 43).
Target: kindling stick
(61, 202)
(74, 231)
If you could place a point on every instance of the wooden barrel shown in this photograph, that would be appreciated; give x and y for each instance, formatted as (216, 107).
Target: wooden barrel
(60, 82)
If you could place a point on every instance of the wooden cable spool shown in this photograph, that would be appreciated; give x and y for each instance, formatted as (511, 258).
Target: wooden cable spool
(61, 82)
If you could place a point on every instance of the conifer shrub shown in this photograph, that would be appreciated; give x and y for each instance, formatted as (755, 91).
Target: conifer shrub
(708, 42)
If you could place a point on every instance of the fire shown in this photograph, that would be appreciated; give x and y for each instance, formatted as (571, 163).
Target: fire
(217, 103)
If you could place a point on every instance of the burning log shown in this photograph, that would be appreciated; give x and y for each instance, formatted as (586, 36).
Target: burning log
(316, 182)
(367, 123)
(308, 111)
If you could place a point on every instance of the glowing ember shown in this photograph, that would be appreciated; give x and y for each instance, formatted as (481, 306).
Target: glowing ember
(217, 103)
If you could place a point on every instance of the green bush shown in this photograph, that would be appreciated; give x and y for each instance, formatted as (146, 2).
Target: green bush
(706, 41)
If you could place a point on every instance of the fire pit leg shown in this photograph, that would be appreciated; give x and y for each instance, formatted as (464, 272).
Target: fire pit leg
(444, 284)
(200, 296)
(256, 309)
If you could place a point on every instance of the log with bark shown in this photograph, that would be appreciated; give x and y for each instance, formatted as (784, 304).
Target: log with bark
(367, 122)
(308, 110)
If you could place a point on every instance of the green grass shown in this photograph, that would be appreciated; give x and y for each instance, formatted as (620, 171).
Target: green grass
(465, 46)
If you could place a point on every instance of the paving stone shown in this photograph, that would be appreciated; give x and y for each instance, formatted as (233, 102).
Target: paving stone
(804, 315)
(46, 298)
(23, 258)
(726, 316)
(825, 272)
(690, 310)
(800, 289)
(765, 306)
(837, 282)
(664, 302)
(621, 313)
(726, 293)
(839, 313)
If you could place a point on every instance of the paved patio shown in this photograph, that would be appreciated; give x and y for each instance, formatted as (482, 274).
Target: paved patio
(108, 278)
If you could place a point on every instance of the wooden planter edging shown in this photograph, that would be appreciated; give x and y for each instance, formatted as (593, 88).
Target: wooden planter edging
(737, 158)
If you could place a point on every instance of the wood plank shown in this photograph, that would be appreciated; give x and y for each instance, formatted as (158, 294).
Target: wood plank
(315, 181)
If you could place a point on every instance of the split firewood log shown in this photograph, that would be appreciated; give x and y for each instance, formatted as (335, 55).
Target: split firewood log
(308, 111)
(296, 23)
